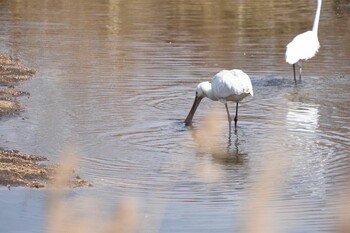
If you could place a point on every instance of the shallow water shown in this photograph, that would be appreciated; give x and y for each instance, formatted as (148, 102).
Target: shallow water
(116, 79)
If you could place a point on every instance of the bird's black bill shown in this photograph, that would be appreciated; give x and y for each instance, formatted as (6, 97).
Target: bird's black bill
(190, 115)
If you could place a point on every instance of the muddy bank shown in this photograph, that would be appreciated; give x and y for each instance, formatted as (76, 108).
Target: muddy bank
(11, 72)
(18, 169)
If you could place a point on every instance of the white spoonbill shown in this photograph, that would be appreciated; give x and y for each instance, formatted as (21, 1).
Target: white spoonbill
(227, 85)
(305, 45)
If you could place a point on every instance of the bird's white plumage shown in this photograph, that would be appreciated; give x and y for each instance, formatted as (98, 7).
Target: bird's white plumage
(227, 85)
(303, 47)
(231, 85)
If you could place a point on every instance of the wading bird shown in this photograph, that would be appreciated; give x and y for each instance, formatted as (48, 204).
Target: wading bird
(305, 45)
(227, 85)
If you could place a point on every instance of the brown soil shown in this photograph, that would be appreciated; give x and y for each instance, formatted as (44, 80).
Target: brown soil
(17, 169)
(10, 73)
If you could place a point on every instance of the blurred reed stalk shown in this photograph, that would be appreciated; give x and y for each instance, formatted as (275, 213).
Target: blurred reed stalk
(66, 216)
(207, 137)
(261, 215)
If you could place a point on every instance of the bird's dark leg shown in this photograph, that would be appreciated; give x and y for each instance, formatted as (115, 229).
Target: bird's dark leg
(236, 115)
(228, 116)
(294, 72)
(300, 68)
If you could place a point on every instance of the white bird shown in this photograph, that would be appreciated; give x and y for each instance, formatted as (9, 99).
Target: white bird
(227, 85)
(305, 45)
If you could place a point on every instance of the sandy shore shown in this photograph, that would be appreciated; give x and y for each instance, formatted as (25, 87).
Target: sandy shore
(19, 169)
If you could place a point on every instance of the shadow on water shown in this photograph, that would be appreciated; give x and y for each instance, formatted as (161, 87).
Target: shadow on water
(272, 80)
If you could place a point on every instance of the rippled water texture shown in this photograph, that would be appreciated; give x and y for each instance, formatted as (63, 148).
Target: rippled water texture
(115, 80)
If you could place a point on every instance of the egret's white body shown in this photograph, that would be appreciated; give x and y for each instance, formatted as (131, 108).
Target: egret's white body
(227, 85)
(305, 45)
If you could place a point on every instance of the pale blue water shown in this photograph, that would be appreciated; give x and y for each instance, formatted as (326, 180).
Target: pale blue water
(116, 79)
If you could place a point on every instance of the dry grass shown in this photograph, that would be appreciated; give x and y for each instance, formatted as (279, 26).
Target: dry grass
(259, 217)
(11, 72)
(18, 169)
(8, 107)
(206, 139)
(343, 211)
(260, 212)
(10, 93)
(66, 216)
(206, 136)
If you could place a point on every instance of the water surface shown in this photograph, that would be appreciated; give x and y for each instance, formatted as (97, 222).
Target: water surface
(115, 80)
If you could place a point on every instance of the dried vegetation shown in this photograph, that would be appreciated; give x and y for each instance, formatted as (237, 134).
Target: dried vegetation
(10, 73)
(18, 169)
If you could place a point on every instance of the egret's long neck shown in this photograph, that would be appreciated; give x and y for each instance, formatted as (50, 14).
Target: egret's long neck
(317, 16)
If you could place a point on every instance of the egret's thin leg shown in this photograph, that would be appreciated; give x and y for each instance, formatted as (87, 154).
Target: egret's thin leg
(228, 116)
(300, 69)
(294, 72)
(236, 115)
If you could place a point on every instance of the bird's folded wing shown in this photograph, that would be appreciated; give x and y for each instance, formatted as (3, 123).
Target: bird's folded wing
(228, 83)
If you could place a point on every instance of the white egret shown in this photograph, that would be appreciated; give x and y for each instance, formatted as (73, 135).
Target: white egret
(305, 45)
(227, 85)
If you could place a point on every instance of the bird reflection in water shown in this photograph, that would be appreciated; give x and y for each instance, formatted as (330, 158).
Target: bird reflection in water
(232, 155)
(210, 137)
